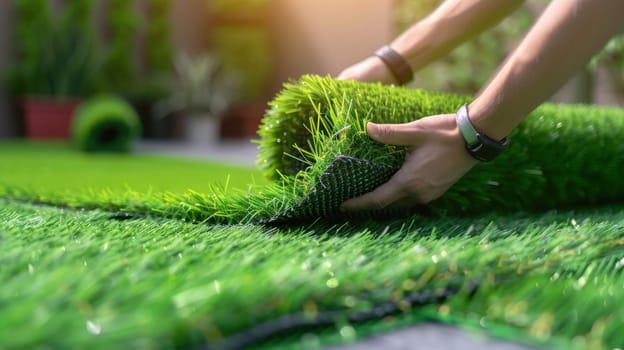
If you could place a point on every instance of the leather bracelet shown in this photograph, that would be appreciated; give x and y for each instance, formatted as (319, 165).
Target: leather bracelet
(398, 66)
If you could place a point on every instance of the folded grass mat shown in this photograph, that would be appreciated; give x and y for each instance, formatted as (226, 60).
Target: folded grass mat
(559, 156)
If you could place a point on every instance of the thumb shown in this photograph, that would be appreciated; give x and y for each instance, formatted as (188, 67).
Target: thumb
(344, 75)
(394, 134)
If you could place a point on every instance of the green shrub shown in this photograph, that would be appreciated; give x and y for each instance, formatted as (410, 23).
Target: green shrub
(465, 69)
(239, 6)
(158, 51)
(241, 40)
(56, 52)
(153, 67)
(118, 66)
(105, 123)
(245, 50)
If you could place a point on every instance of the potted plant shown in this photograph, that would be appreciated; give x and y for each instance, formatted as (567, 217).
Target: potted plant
(55, 65)
(156, 68)
(201, 90)
(241, 38)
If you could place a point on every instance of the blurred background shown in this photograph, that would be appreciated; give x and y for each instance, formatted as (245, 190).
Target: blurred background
(185, 64)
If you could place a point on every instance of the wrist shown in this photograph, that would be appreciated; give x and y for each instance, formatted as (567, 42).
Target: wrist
(485, 120)
(380, 71)
(478, 144)
(399, 68)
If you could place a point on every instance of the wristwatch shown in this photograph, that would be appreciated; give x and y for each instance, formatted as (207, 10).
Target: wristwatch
(478, 145)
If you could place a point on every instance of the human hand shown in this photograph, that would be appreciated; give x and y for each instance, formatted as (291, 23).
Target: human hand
(371, 69)
(436, 158)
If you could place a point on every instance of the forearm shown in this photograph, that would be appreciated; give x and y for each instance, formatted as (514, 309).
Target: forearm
(562, 41)
(454, 22)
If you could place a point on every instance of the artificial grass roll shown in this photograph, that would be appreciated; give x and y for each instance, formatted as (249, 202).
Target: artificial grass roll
(561, 155)
(315, 147)
(105, 124)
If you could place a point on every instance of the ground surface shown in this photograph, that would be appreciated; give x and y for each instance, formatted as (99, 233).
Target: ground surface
(75, 278)
(431, 336)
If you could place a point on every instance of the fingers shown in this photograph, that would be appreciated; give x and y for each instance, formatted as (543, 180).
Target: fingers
(345, 75)
(371, 69)
(392, 191)
(435, 160)
(394, 134)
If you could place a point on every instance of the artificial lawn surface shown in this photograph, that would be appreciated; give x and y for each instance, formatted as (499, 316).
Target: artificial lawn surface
(81, 279)
(172, 268)
(55, 167)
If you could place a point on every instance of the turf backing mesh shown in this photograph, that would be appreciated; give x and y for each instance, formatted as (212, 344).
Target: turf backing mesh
(332, 188)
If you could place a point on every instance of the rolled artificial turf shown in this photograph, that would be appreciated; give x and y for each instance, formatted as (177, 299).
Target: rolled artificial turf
(561, 155)
(105, 124)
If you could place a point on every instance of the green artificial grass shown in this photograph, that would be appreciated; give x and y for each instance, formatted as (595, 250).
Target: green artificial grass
(105, 124)
(81, 279)
(150, 279)
(54, 170)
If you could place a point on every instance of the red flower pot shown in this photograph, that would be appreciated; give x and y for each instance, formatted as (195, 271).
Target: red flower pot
(242, 121)
(48, 118)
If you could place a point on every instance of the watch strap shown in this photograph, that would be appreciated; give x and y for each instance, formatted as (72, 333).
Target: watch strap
(397, 65)
(478, 145)
(465, 126)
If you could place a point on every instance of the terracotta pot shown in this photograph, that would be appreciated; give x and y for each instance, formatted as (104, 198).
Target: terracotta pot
(48, 118)
(242, 121)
